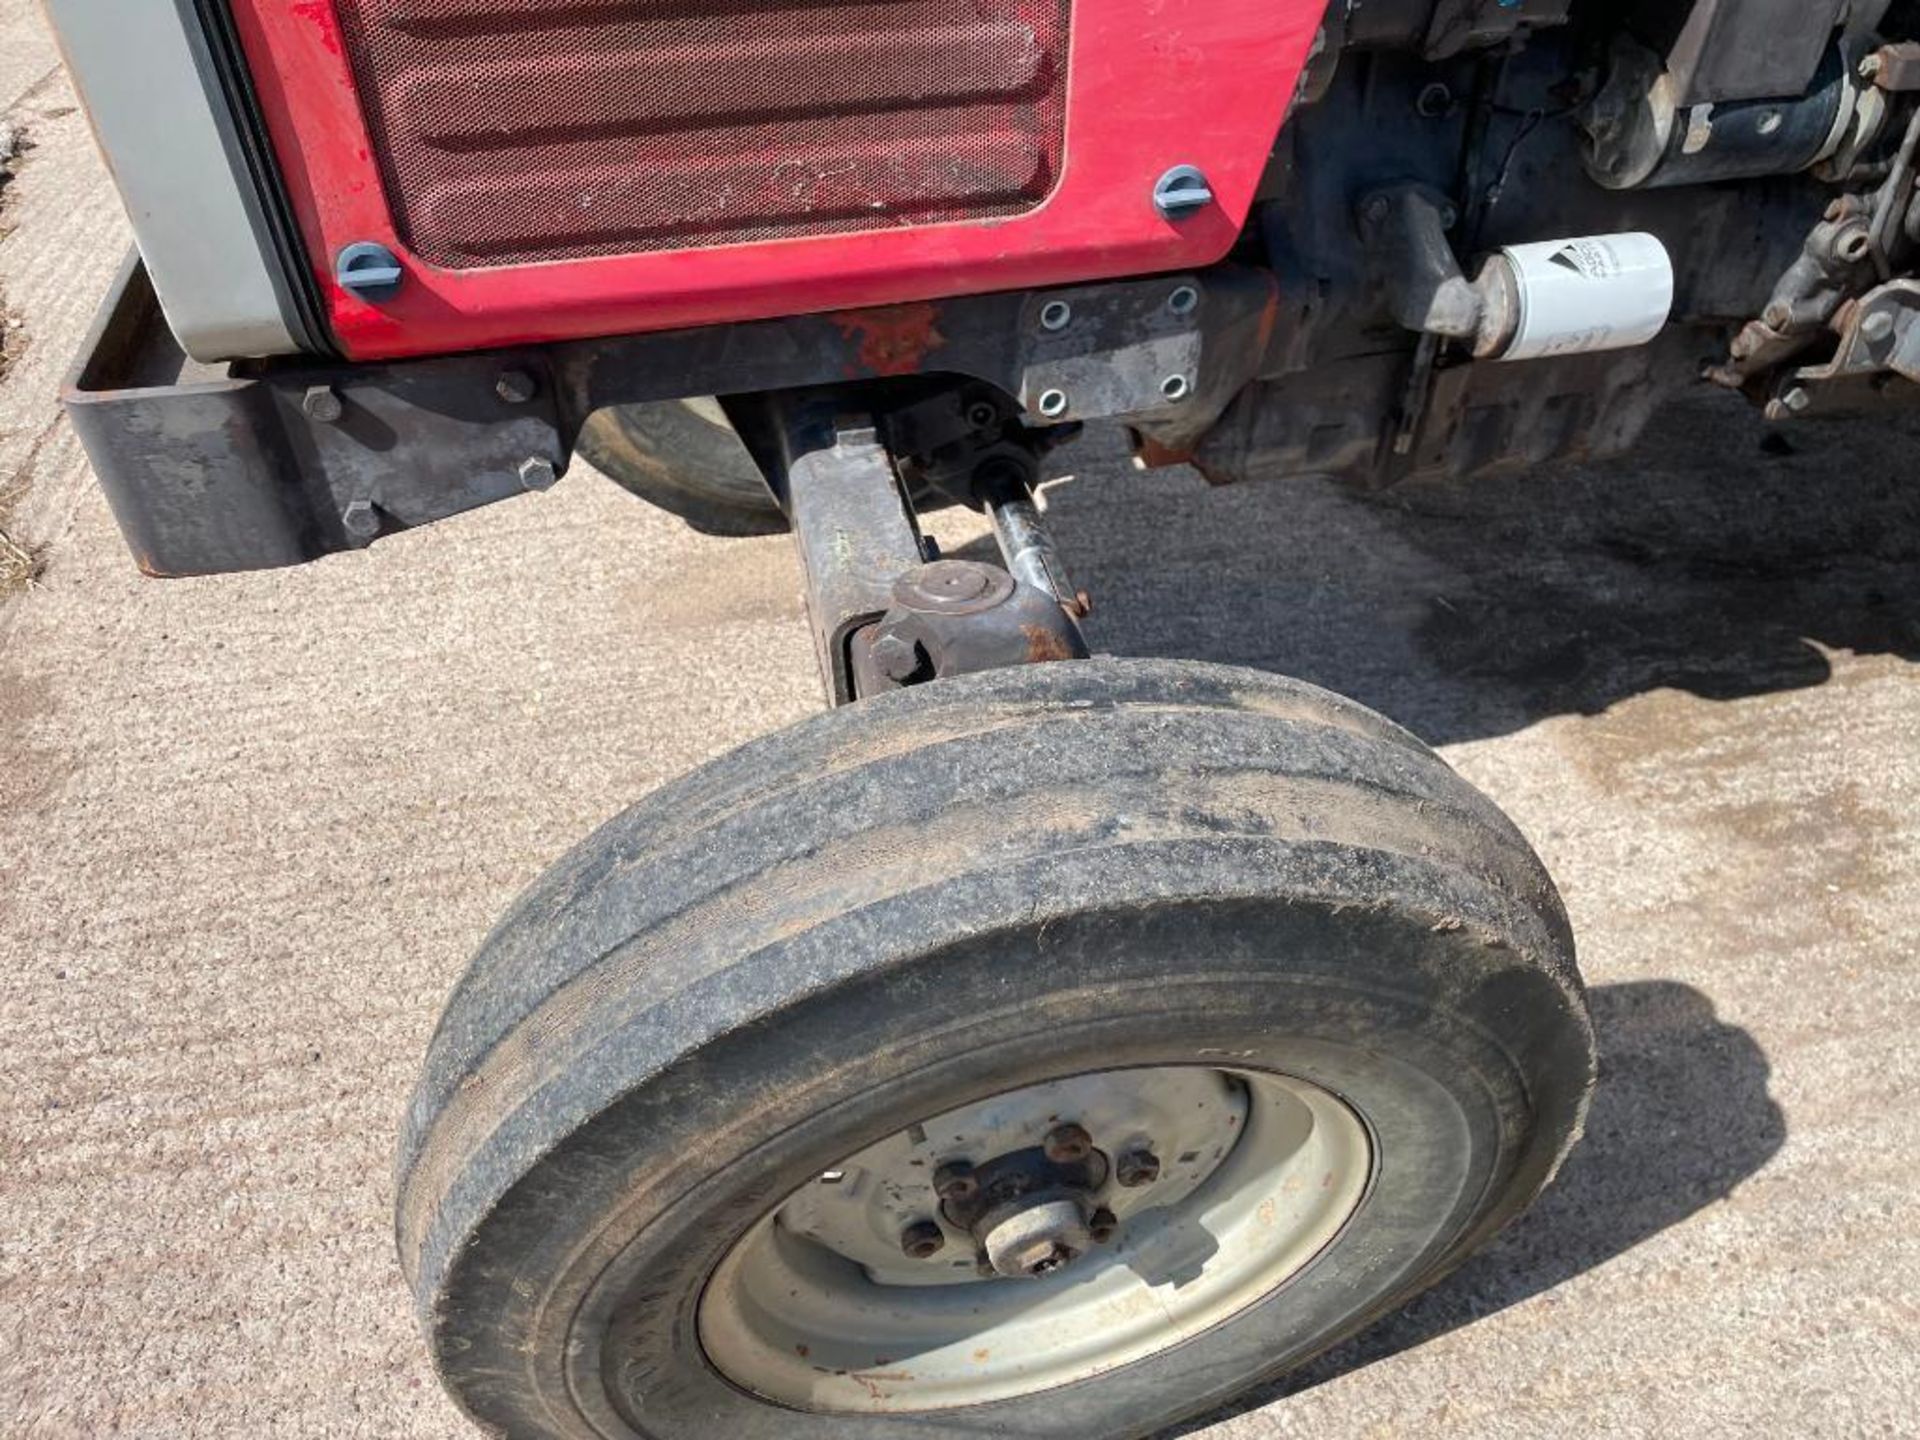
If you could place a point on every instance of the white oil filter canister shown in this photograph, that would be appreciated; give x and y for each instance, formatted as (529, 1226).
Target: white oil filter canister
(1596, 292)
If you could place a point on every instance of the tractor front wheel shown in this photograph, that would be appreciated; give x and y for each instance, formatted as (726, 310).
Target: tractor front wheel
(1048, 1052)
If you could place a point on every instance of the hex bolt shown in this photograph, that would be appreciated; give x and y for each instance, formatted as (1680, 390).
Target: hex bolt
(323, 403)
(923, 1240)
(898, 658)
(1184, 300)
(1877, 326)
(1175, 387)
(537, 473)
(1138, 1166)
(955, 1182)
(516, 387)
(1053, 403)
(1056, 315)
(1103, 1225)
(361, 519)
(1068, 1144)
(1797, 399)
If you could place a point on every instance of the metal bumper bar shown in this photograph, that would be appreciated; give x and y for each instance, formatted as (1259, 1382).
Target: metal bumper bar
(269, 463)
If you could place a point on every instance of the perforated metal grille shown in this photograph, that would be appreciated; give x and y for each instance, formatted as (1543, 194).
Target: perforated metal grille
(522, 130)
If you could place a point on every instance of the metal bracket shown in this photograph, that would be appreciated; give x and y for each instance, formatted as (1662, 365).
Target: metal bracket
(883, 615)
(247, 466)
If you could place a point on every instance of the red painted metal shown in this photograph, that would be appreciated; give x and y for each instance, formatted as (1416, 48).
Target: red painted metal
(1150, 84)
(517, 131)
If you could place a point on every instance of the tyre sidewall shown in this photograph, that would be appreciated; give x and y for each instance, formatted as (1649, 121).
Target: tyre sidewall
(627, 1219)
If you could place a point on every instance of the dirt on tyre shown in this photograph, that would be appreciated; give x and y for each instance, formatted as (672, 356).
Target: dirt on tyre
(1051, 1052)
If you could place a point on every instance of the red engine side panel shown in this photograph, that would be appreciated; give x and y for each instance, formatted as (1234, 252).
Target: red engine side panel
(549, 171)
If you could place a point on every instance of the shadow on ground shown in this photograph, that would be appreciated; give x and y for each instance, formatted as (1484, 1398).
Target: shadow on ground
(1681, 1116)
(1720, 558)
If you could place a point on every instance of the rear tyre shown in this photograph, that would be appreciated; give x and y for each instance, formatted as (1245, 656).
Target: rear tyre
(687, 1157)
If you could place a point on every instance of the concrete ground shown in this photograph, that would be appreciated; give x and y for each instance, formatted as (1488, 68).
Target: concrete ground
(251, 827)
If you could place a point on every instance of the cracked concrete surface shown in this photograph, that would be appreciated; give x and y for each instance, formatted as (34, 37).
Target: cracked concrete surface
(251, 826)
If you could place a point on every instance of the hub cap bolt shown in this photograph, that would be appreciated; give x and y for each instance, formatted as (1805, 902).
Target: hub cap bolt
(955, 1182)
(1137, 1168)
(1068, 1144)
(1103, 1225)
(923, 1239)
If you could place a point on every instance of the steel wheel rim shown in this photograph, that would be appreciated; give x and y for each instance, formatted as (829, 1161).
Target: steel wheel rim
(819, 1308)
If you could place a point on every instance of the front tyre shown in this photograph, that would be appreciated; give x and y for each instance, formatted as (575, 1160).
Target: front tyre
(1052, 1052)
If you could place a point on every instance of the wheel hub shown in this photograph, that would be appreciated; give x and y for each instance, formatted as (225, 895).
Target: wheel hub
(1033, 1239)
(1030, 1213)
(1040, 1239)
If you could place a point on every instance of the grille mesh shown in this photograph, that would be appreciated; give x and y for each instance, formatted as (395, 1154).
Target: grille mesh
(512, 131)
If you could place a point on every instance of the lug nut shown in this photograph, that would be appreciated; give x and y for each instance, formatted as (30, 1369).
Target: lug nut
(923, 1239)
(1103, 1225)
(1137, 1168)
(1068, 1144)
(955, 1182)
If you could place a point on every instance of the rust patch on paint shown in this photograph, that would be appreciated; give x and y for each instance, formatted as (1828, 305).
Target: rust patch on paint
(894, 339)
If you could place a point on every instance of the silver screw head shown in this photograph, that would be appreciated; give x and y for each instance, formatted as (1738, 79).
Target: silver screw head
(537, 473)
(1877, 326)
(516, 387)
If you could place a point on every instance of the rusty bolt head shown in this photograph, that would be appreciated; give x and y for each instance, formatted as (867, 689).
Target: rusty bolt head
(955, 1181)
(1103, 1225)
(323, 403)
(1068, 1144)
(1137, 1167)
(896, 657)
(516, 387)
(537, 473)
(923, 1240)
(361, 519)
